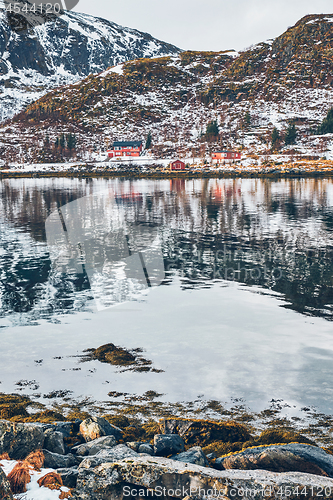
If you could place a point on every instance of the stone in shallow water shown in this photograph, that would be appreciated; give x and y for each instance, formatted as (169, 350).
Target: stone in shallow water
(168, 444)
(94, 446)
(281, 458)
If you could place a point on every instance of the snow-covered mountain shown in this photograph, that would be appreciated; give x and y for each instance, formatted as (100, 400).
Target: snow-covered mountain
(63, 51)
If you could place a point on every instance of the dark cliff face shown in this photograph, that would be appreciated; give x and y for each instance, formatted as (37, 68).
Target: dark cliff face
(65, 50)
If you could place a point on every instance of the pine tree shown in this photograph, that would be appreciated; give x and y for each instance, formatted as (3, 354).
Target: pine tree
(247, 119)
(326, 127)
(62, 141)
(291, 134)
(275, 138)
(148, 141)
(212, 130)
(71, 141)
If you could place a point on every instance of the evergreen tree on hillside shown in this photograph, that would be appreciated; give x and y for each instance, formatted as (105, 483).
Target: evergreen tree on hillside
(326, 127)
(71, 141)
(148, 141)
(291, 134)
(62, 141)
(212, 130)
(247, 119)
(275, 138)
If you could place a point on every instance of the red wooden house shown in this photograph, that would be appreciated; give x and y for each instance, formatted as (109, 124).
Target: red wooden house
(125, 148)
(228, 156)
(177, 165)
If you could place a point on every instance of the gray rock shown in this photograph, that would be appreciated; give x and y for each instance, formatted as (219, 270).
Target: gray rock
(57, 461)
(281, 458)
(193, 455)
(134, 445)
(93, 447)
(96, 427)
(168, 444)
(5, 492)
(54, 441)
(114, 454)
(69, 476)
(146, 448)
(211, 456)
(18, 440)
(109, 480)
(64, 427)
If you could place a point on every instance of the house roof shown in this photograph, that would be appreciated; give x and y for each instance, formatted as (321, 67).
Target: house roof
(124, 144)
(226, 151)
(175, 161)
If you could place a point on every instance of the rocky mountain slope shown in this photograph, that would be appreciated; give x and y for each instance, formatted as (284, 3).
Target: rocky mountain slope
(272, 84)
(63, 51)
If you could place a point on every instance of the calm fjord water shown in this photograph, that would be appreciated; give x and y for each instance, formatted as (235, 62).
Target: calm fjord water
(243, 308)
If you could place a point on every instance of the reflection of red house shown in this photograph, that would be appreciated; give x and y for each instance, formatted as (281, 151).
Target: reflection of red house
(177, 165)
(125, 148)
(229, 156)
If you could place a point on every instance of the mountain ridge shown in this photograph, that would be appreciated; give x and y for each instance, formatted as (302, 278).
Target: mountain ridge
(64, 51)
(274, 83)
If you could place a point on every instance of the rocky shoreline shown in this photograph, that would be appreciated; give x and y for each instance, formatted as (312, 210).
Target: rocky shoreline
(314, 168)
(92, 459)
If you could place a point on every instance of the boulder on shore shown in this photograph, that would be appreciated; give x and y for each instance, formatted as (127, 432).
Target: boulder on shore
(94, 446)
(54, 441)
(57, 461)
(203, 432)
(5, 491)
(170, 478)
(280, 458)
(114, 454)
(18, 439)
(167, 444)
(95, 427)
(193, 455)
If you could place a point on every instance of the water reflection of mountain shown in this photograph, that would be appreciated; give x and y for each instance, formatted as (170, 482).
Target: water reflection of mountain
(274, 234)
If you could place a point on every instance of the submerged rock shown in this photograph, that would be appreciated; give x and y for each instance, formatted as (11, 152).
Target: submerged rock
(281, 458)
(180, 480)
(94, 446)
(115, 454)
(193, 455)
(167, 444)
(95, 427)
(18, 440)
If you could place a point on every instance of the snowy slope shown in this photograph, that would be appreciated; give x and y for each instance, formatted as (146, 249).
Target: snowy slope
(64, 51)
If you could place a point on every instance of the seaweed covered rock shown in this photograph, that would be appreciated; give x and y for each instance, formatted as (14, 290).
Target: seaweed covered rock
(18, 440)
(5, 491)
(280, 458)
(95, 427)
(133, 478)
(203, 432)
(168, 444)
(193, 455)
(94, 446)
